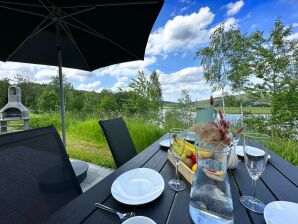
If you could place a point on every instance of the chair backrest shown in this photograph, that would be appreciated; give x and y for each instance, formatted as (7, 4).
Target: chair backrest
(204, 115)
(119, 140)
(36, 177)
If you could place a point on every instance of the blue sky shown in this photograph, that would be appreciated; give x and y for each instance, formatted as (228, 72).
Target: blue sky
(182, 28)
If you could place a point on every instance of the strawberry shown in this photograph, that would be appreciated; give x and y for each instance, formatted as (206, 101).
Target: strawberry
(194, 158)
(189, 155)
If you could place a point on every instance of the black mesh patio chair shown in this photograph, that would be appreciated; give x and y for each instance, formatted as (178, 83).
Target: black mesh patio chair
(118, 139)
(36, 177)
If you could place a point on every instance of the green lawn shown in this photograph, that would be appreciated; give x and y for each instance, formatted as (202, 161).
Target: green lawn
(253, 110)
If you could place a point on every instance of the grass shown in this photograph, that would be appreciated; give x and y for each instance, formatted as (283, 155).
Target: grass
(253, 110)
(288, 149)
(234, 110)
(86, 141)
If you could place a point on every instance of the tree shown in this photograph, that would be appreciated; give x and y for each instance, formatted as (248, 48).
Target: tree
(147, 94)
(48, 100)
(29, 95)
(215, 59)
(274, 61)
(76, 103)
(108, 104)
(185, 97)
(4, 84)
(155, 89)
(140, 85)
(240, 63)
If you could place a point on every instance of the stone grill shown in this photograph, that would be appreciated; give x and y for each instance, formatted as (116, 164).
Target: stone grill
(14, 112)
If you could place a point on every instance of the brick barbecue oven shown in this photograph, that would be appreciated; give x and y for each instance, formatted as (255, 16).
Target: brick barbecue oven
(14, 111)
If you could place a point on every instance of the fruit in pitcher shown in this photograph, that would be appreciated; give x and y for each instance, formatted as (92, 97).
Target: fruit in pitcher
(188, 162)
(192, 156)
(194, 168)
(190, 148)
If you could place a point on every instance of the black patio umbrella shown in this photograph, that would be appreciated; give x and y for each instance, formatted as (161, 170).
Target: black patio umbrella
(84, 34)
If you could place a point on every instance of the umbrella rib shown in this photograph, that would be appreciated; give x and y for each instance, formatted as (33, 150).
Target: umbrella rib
(138, 2)
(94, 32)
(68, 32)
(19, 3)
(25, 11)
(32, 34)
(46, 7)
(79, 12)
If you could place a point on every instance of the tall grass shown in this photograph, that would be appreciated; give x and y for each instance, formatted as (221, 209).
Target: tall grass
(288, 149)
(86, 141)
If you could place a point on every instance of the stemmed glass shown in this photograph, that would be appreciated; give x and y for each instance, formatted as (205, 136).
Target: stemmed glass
(177, 142)
(255, 158)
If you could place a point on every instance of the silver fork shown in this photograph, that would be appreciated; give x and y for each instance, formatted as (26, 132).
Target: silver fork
(122, 216)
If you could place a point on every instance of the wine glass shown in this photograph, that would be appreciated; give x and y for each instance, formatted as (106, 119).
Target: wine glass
(177, 142)
(235, 126)
(255, 158)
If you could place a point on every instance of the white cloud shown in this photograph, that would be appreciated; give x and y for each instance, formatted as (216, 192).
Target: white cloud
(36, 73)
(125, 71)
(186, 75)
(128, 69)
(120, 84)
(228, 24)
(234, 7)
(181, 33)
(293, 36)
(45, 75)
(94, 86)
(41, 73)
(295, 25)
(190, 78)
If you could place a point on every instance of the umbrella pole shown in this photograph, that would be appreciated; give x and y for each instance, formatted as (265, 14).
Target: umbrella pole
(59, 57)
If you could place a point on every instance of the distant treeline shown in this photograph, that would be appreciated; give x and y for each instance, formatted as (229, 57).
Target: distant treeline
(144, 95)
(235, 100)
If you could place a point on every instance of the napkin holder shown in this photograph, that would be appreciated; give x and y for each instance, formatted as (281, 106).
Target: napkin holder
(187, 173)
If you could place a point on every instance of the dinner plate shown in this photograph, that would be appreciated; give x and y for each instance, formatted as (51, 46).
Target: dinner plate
(139, 220)
(279, 212)
(138, 186)
(165, 143)
(190, 138)
(256, 151)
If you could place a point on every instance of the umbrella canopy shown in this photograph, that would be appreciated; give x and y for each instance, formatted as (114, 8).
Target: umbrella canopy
(83, 34)
(94, 33)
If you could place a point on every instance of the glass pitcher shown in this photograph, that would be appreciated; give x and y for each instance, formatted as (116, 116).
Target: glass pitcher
(210, 196)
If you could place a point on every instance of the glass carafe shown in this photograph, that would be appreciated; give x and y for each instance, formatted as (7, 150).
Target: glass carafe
(210, 197)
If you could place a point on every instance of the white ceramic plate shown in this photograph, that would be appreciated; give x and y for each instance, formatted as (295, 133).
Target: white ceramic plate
(191, 136)
(254, 150)
(138, 186)
(165, 143)
(139, 220)
(279, 212)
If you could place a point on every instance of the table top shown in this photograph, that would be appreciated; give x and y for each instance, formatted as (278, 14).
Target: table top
(278, 182)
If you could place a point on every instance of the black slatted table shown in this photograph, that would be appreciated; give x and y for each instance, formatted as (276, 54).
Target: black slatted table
(278, 182)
